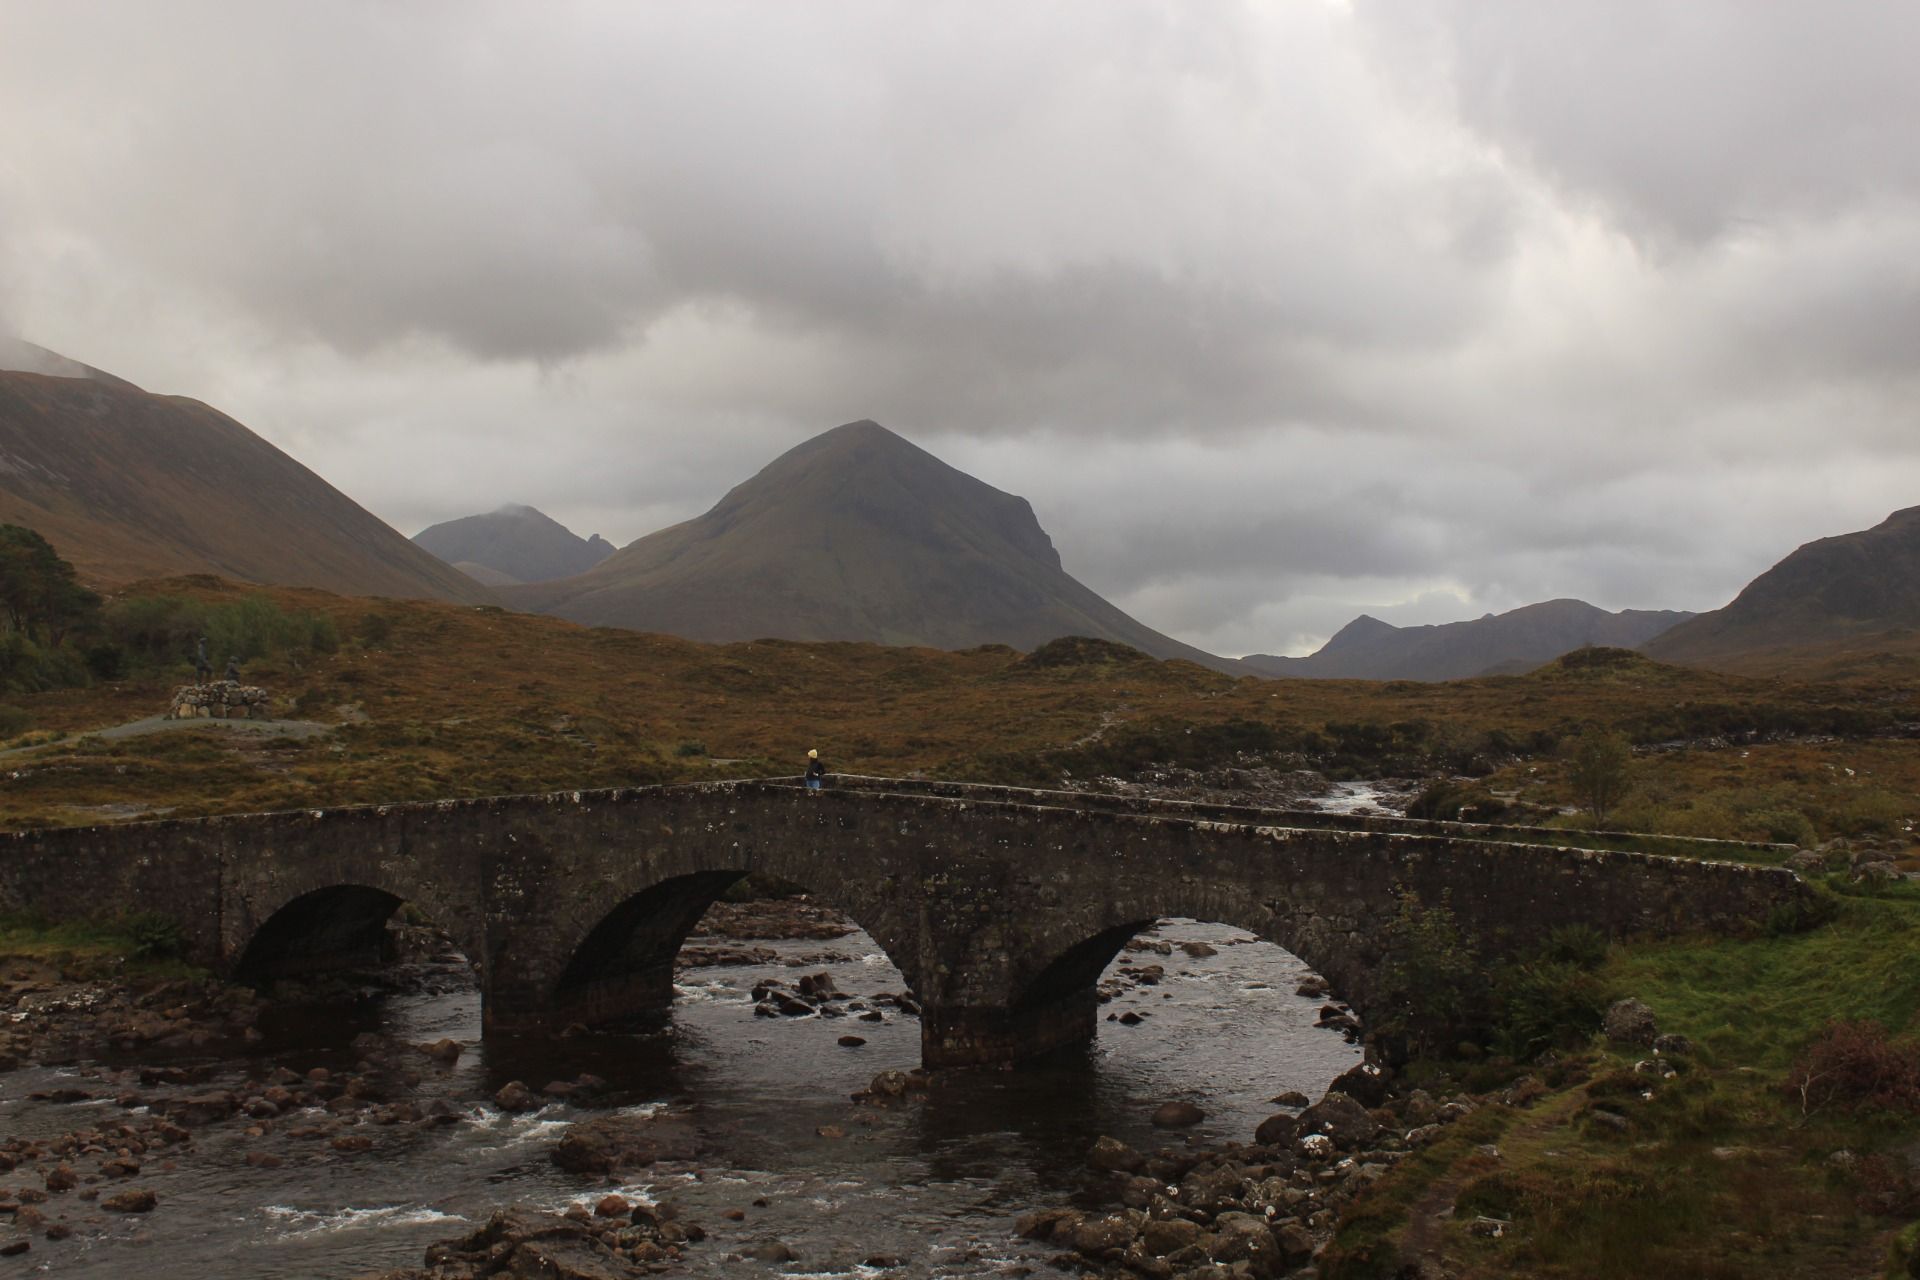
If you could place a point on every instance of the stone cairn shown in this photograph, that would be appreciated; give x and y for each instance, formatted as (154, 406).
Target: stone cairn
(220, 700)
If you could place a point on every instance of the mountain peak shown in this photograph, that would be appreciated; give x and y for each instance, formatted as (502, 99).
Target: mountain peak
(854, 534)
(515, 543)
(1369, 649)
(1842, 588)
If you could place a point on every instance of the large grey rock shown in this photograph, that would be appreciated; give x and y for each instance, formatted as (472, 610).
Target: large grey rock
(1097, 1237)
(1365, 1084)
(1630, 1021)
(1340, 1118)
(1211, 1190)
(1163, 1236)
(1241, 1237)
(1276, 1130)
(1115, 1156)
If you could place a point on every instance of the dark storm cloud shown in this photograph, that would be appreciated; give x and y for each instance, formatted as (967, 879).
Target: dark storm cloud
(1277, 311)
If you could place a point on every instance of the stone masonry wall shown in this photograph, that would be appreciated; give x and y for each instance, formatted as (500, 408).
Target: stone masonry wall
(999, 913)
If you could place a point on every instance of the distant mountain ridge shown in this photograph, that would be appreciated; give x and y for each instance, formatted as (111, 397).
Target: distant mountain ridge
(513, 545)
(1845, 588)
(856, 534)
(129, 485)
(1518, 640)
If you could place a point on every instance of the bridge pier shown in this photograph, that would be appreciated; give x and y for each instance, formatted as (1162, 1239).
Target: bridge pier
(619, 999)
(977, 1037)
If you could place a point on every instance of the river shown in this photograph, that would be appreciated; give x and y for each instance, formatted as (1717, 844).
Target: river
(935, 1183)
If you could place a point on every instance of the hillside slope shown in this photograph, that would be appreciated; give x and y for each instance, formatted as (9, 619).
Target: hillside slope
(854, 535)
(1847, 588)
(518, 543)
(1369, 649)
(129, 485)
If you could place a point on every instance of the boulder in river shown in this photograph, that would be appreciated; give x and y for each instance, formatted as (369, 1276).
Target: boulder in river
(605, 1144)
(515, 1096)
(139, 1201)
(200, 1108)
(1115, 1156)
(1276, 1130)
(1177, 1115)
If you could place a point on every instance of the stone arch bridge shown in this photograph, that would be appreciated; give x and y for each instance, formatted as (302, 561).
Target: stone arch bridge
(1000, 906)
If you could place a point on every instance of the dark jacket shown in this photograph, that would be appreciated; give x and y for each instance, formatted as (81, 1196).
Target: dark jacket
(816, 768)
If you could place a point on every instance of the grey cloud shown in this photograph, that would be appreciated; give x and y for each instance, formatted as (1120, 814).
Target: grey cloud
(1278, 313)
(1691, 121)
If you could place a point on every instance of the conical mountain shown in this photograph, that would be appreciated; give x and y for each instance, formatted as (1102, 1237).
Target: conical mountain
(1848, 588)
(130, 485)
(1369, 649)
(854, 535)
(512, 545)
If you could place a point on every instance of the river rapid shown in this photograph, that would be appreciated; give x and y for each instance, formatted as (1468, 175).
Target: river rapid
(933, 1183)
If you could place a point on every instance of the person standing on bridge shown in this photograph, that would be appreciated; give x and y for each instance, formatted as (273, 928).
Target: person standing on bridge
(816, 770)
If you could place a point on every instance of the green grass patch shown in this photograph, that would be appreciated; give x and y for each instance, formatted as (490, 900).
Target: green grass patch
(145, 941)
(1756, 1002)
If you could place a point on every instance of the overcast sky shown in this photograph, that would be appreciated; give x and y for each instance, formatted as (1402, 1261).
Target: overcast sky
(1278, 313)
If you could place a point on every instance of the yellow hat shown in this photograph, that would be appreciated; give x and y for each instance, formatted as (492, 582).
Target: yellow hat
(813, 755)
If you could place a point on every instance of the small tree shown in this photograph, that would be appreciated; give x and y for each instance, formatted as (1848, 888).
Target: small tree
(1602, 772)
(40, 597)
(1430, 975)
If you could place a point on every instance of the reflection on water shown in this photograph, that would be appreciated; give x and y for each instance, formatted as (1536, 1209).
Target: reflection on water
(936, 1183)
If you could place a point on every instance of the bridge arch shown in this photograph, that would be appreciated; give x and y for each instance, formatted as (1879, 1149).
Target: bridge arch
(606, 954)
(312, 893)
(623, 966)
(1068, 958)
(337, 927)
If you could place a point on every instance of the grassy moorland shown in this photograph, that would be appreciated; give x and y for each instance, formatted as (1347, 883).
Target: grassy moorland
(426, 700)
(1720, 1171)
(1602, 1166)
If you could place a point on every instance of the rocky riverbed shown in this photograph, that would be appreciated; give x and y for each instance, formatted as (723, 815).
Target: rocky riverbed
(1262, 1208)
(186, 1128)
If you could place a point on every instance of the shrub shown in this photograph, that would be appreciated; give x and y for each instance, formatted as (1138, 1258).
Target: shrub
(1854, 1064)
(1602, 772)
(1580, 945)
(1547, 1003)
(160, 632)
(1429, 976)
(374, 630)
(154, 937)
(106, 661)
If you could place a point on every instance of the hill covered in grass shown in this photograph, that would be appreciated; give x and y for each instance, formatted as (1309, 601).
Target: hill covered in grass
(126, 485)
(1857, 593)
